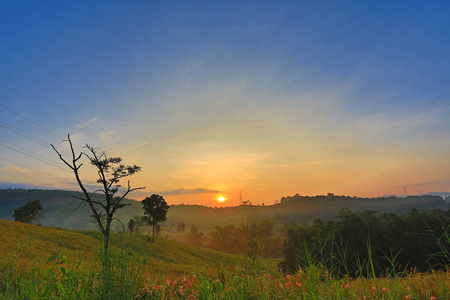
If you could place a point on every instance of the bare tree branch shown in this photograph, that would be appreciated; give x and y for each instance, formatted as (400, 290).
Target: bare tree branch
(109, 171)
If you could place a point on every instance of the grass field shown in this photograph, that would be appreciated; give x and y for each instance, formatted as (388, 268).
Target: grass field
(51, 263)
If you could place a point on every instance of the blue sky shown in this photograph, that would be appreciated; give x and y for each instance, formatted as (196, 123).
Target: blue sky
(270, 98)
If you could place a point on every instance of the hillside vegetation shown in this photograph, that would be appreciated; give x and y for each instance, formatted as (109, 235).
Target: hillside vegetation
(28, 246)
(63, 210)
(39, 262)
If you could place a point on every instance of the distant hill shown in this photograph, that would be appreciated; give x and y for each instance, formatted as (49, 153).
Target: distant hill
(60, 209)
(443, 195)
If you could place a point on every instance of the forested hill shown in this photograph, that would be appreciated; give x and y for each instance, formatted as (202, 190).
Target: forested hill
(60, 208)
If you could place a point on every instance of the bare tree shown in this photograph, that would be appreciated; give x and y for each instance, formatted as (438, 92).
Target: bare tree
(110, 171)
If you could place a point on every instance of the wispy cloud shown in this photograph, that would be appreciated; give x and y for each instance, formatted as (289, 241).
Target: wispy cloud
(187, 192)
(82, 125)
(106, 135)
(140, 145)
(16, 169)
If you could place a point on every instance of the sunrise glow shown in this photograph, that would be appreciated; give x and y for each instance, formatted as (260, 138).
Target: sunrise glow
(245, 101)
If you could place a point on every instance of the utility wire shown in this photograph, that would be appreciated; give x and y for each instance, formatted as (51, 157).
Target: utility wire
(34, 153)
(24, 134)
(25, 118)
(36, 140)
(39, 95)
(27, 167)
(30, 155)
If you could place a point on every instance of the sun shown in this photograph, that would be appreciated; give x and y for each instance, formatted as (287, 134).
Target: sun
(221, 199)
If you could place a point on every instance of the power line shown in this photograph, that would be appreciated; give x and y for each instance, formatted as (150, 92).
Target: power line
(25, 118)
(35, 124)
(19, 147)
(34, 139)
(24, 134)
(31, 155)
(27, 167)
(33, 92)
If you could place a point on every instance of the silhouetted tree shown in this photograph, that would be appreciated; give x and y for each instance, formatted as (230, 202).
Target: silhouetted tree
(110, 171)
(132, 225)
(181, 227)
(196, 237)
(30, 212)
(135, 222)
(155, 209)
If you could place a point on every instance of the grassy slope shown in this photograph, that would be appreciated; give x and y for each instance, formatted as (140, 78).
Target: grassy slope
(31, 245)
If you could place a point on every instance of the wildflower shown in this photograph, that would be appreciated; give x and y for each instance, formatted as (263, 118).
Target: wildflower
(374, 288)
(364, 298)
(168, 282)
(384, 290)
(288, 277)
(347, 286)
(432, 298)
(159, 287)
(409, 297)
(298, 283)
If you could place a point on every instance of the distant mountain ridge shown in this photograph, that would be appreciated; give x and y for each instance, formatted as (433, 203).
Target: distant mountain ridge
(63, 210)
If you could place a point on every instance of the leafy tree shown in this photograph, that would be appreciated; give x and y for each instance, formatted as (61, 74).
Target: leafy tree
(181, 227)
(368, 242)
(155, 208)
(196, 237)
(132, 225)
(135, 223)
(30, 212)
(110, 171)
(254, 239)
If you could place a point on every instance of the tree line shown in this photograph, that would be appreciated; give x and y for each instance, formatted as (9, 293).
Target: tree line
(370, 242)
(256, 238)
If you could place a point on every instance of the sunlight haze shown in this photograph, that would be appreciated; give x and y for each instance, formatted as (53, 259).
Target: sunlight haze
(222, 102)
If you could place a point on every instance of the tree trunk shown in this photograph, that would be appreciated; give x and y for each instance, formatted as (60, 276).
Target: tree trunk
(153, 237)
(106, 235)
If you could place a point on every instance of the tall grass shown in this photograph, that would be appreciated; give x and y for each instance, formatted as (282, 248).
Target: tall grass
(133, 274)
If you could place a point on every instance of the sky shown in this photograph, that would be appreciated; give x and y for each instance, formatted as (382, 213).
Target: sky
(251, 100)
